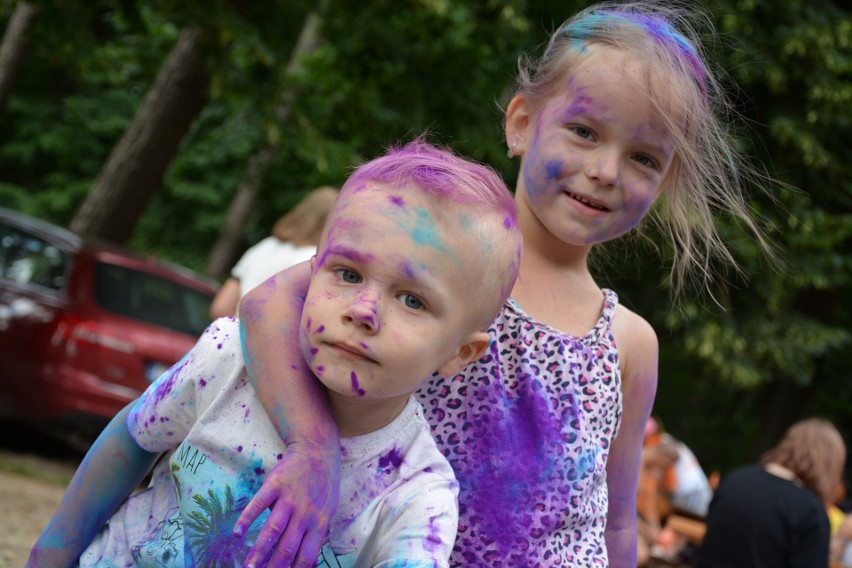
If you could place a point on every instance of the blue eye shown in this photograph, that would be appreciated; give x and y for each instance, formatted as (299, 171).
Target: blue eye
(411, 301)
(349, 276)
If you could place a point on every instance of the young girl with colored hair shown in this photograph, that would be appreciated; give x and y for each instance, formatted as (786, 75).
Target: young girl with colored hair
(620, 120)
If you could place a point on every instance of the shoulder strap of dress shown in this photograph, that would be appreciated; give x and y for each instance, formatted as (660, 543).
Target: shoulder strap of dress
(610, 303)
(604, 323)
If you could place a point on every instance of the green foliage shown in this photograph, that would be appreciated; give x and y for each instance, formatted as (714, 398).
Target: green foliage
(389, 70)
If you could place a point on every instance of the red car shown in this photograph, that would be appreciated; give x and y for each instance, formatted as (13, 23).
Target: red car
(85, 326)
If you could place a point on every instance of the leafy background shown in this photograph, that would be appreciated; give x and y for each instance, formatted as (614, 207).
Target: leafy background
(733, 375)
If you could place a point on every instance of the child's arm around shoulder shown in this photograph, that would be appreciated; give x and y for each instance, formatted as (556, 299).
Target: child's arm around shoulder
(113, 467)
(297, 405)
(638, 350)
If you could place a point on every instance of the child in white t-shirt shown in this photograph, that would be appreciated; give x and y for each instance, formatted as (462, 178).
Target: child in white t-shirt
(418, 256)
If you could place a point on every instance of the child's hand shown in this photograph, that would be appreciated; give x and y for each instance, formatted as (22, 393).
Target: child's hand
(301, 492)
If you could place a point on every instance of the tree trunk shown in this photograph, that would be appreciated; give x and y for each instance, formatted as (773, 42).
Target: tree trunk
(135, 167)
(224, 253)
(13, 48)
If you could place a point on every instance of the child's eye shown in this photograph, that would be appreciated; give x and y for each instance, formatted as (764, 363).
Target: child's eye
(411, 301)
(348, 275)
(583, 132)
(646, 161)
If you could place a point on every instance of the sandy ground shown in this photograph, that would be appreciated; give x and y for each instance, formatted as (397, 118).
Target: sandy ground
(34, 471)
(26, 506)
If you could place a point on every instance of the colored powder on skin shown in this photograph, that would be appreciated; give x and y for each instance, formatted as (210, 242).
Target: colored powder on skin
(397, 200)
(406, 268)
(580, 105)
(355, 388)
(425, 233)
(320, 329)
(349, 231)
(552, 169)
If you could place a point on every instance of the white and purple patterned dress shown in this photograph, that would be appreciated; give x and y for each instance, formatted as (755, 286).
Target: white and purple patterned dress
(528, 429)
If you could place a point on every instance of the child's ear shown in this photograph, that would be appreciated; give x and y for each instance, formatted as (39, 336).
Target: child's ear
(472, 349)
(518, 116)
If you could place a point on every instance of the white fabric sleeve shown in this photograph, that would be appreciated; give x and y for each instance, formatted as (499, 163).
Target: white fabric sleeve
(164, 414)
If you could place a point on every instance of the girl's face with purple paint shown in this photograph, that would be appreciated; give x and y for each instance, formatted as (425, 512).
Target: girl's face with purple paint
(390, 298)
(595, 154)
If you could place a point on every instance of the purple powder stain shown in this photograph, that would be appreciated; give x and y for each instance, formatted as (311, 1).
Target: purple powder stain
(355, 387)
(579, 106)
(314, 350)
(239, 449)
(391, 460)
(320, 329)
(406, 268)
(397, 200)
(202, 382)
(510, 456)
(433, 543)
(165, 384)
(363, 346)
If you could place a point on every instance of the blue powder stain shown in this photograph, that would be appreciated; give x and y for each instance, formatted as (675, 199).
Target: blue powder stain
(552, 169)
(424, 232)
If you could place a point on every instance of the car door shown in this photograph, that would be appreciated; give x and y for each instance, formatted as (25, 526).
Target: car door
(33, 274)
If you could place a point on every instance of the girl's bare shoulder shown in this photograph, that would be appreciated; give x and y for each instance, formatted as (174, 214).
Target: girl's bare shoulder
(637, 343)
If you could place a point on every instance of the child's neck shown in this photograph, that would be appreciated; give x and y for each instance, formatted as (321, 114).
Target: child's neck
(356, 416)
(558, 292)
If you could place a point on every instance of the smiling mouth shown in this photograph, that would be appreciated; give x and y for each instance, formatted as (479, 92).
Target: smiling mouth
(596, 205)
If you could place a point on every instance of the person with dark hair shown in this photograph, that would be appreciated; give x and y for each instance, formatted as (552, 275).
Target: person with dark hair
(772, 514)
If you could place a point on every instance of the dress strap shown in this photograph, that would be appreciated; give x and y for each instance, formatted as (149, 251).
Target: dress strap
(604, 323)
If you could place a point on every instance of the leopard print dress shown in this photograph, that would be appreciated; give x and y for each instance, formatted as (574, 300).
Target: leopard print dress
(528, 429)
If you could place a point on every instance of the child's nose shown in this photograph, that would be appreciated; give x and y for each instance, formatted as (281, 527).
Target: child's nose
(603, 168)
(363, 311)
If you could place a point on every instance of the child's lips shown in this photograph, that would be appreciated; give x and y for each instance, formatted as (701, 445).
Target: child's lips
(350, 352)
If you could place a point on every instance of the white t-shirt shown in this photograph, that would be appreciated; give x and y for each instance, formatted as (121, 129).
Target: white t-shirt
(398, 494)
(266, 258)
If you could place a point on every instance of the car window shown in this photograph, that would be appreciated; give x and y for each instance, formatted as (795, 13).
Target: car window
(151, 299)
(28, 260)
